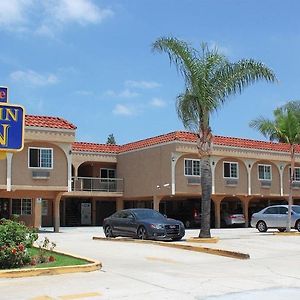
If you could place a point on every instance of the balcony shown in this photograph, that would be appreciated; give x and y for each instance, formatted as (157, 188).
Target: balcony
(95, 184)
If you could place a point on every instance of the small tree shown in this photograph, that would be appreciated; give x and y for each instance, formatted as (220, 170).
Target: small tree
(111, 140)
(285, 129)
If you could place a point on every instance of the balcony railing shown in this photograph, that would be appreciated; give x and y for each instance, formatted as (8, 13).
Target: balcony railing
(95, 184)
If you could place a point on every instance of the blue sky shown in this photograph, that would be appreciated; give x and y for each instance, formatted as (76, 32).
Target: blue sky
(91, 63)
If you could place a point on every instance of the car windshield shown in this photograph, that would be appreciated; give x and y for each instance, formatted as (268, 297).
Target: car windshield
(148, 214)
(296, 209)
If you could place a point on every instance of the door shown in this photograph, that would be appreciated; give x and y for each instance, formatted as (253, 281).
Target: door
(128, 224)
(271, 216)
(4, 209)
(86, 213)
(282, 217)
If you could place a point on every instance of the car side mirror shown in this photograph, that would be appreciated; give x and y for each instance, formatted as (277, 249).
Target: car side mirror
(165, 216)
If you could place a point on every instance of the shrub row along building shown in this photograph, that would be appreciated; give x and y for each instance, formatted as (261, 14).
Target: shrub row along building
(56, 181)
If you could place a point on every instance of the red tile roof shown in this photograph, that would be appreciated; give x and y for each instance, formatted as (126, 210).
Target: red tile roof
(93, 147)
(49, 122)
(183, 136)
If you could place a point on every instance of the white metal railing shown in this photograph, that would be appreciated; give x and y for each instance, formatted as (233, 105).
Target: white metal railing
(96, 184)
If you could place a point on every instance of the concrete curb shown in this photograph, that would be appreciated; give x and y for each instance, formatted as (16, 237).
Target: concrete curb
(93, 265)
(291, 233)
(211, 240)
(220, 252)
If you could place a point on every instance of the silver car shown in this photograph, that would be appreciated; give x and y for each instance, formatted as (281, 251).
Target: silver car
(276, 216)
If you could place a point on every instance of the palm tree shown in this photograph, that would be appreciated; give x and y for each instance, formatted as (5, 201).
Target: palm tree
(285, 129)
(209, 80)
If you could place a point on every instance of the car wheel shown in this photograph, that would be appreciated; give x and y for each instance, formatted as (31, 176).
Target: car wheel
(187, 224)
(142, 233)
(177, 238)
(297, 226)
(108, 232)
(261, 226)
(281, 229)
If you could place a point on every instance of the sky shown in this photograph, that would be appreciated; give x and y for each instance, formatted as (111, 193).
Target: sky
(91, 63)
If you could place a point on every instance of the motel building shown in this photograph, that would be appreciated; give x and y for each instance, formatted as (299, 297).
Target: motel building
(56, 181)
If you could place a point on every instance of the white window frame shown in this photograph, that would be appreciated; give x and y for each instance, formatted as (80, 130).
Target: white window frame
(237, 169)
(21, 209)
(40, 148)
(108, 169)
(192, 159)
(295, 180)
(264, 165)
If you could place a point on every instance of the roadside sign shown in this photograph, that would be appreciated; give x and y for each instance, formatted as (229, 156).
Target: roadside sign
(12, 123)
(3, 94)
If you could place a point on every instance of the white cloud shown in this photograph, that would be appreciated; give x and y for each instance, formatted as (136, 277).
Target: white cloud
(157, 102)
(13, 14)
(221, 49)
(33, 78)
(121, 109)
(83, 93)
(142, 84)
(126, 93)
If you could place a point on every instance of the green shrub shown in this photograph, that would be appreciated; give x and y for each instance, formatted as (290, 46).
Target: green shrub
(15, 238)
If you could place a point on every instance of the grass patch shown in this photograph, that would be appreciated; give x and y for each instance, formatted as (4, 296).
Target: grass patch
(60, 260)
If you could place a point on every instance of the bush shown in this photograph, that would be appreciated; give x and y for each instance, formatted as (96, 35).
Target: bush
(15, 238)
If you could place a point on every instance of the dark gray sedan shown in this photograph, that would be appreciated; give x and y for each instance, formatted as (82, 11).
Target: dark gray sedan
(143, 223)
(276, 216)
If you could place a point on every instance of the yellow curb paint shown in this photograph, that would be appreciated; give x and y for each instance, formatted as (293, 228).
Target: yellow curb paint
(80, 296)
(220, 252)
(166, 260)
(287, 233)
(203, 240)
(93, 265)
(42, 298)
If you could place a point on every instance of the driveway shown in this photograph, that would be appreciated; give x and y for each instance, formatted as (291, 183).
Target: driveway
(141, 271)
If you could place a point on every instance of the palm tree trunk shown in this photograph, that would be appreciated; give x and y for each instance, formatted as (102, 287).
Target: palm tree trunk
(206, 186)
(290, 201)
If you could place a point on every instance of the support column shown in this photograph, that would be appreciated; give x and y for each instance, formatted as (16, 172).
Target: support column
(156, 201)
(37, 222)
(8, 171)
(245, 202)
(56, 213)
(119, 204)
(94, 210)
(217, 204)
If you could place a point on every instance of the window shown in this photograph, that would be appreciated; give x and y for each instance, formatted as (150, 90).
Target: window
(296, 174)
(44, 207)
(40, 158)
(230, 169)
(107, 173)
(192, 167)
(264, 172)
(271, 211)
(282, 210)
(22, 206)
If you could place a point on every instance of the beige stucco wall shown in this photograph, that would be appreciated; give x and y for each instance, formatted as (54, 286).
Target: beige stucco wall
(22, 174)
(3, 171)
(145, 169)
(256, 188)
(286, 182)
(242, 185)
(182, 186)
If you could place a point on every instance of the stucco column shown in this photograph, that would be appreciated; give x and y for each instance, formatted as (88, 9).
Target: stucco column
(174, 158)
(249, 164)
(217, 204)
(245, 203)
(94, 210)
(37, 222)
(56, 214)
(213, 162)
(119, 204)
(280, 167)
(8, 171)
(156, 201)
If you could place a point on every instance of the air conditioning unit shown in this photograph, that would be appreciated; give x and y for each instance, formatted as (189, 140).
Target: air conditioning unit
(194, 180)
(231, 182)
(40, 174)
(265, 183)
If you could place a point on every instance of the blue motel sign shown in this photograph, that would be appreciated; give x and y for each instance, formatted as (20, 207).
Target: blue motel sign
(12, 122)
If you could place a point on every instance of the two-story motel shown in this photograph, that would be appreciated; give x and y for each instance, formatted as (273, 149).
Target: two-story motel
(56, 181)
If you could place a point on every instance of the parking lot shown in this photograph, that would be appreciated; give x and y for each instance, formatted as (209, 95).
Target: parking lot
(147, 271)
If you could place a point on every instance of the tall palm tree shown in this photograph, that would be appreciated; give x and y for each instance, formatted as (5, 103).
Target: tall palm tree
(209, 80)
(285, 128)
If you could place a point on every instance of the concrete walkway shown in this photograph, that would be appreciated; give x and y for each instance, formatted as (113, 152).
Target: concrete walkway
(140, 271)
